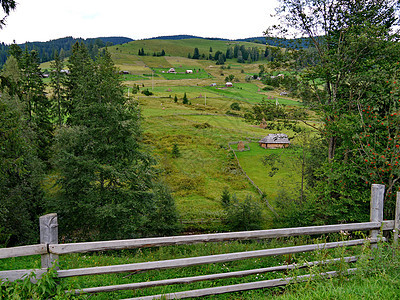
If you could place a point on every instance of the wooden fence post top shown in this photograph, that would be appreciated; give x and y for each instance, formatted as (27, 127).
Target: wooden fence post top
(48, 235)
(377, 196)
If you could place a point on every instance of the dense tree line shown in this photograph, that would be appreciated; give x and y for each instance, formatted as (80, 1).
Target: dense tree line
(46, 50)
(85, 136)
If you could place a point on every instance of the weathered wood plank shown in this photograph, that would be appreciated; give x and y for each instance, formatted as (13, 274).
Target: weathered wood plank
(376, 207)
(201, 238)
(23, 251)
(396, 220)
(187, 280)
(193, 261)
(48, 235)
(13, 275)
(388, 225)
(241, 287)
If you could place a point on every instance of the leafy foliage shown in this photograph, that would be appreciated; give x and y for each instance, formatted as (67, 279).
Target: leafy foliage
(242, 215)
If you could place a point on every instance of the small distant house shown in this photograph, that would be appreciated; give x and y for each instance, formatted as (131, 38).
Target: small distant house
(275, 141)
(229, 84)
(213, 84)
(172, 70)
(65, 71)
(124, 72)
(189, 71)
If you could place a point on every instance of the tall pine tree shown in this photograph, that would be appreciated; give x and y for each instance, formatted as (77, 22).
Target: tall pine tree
(105, 178)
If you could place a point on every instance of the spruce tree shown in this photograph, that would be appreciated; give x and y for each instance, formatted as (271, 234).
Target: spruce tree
(105, 178)
(21, 173)
(185, 99)
(196, 53)
(57, 83)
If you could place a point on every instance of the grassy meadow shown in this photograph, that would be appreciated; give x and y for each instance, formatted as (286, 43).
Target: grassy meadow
(201, 129)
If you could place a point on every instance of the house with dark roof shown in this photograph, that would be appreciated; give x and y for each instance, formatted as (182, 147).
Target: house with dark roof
(274, 141)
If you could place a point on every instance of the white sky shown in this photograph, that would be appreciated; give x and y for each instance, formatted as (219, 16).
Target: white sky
(43, 20)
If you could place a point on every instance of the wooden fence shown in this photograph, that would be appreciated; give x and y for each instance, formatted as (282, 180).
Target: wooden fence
(49, 249)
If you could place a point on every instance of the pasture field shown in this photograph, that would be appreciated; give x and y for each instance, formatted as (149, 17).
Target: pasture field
(287, 177)
(206, 165)
(198, 73)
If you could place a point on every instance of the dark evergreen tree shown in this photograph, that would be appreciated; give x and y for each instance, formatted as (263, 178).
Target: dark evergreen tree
(185, 99)
(196, 53)
(21, 196)
(57, 83)
(221, 59)
(31, 91)
(105, 179)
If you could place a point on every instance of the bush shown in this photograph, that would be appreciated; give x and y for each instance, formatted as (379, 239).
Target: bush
(235, 106)
(243, 215)
(147, 92)
(175, 151)
(268, 88)
(202, 125)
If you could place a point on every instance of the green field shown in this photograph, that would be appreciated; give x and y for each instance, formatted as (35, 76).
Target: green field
(198, 73)
(288, 176)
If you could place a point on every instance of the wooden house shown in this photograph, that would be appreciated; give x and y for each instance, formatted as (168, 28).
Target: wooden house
(275, 141)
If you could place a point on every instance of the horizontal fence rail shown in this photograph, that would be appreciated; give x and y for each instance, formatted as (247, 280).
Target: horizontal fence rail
(187, 280)
(241, 287)
(209, 259)
(23, 251)
(202, 238)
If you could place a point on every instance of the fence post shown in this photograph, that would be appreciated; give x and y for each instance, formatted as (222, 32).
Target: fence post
(48, 235)
(396, 220)
(376, 212)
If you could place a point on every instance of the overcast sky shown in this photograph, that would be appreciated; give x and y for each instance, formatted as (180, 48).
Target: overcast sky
(43, 20)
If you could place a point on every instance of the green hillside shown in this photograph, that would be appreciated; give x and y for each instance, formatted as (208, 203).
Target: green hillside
(200, 129)
(180, 47)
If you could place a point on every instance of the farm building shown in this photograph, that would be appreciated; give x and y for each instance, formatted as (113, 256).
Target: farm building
(172, 70)
(274, 141)
(229, 84)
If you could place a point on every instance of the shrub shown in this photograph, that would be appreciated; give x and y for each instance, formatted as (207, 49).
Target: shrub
(268, 88)
(202, 125)
(243, 215)
(225, 198)
(147, 92)
(175, 151)
(235, 106)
